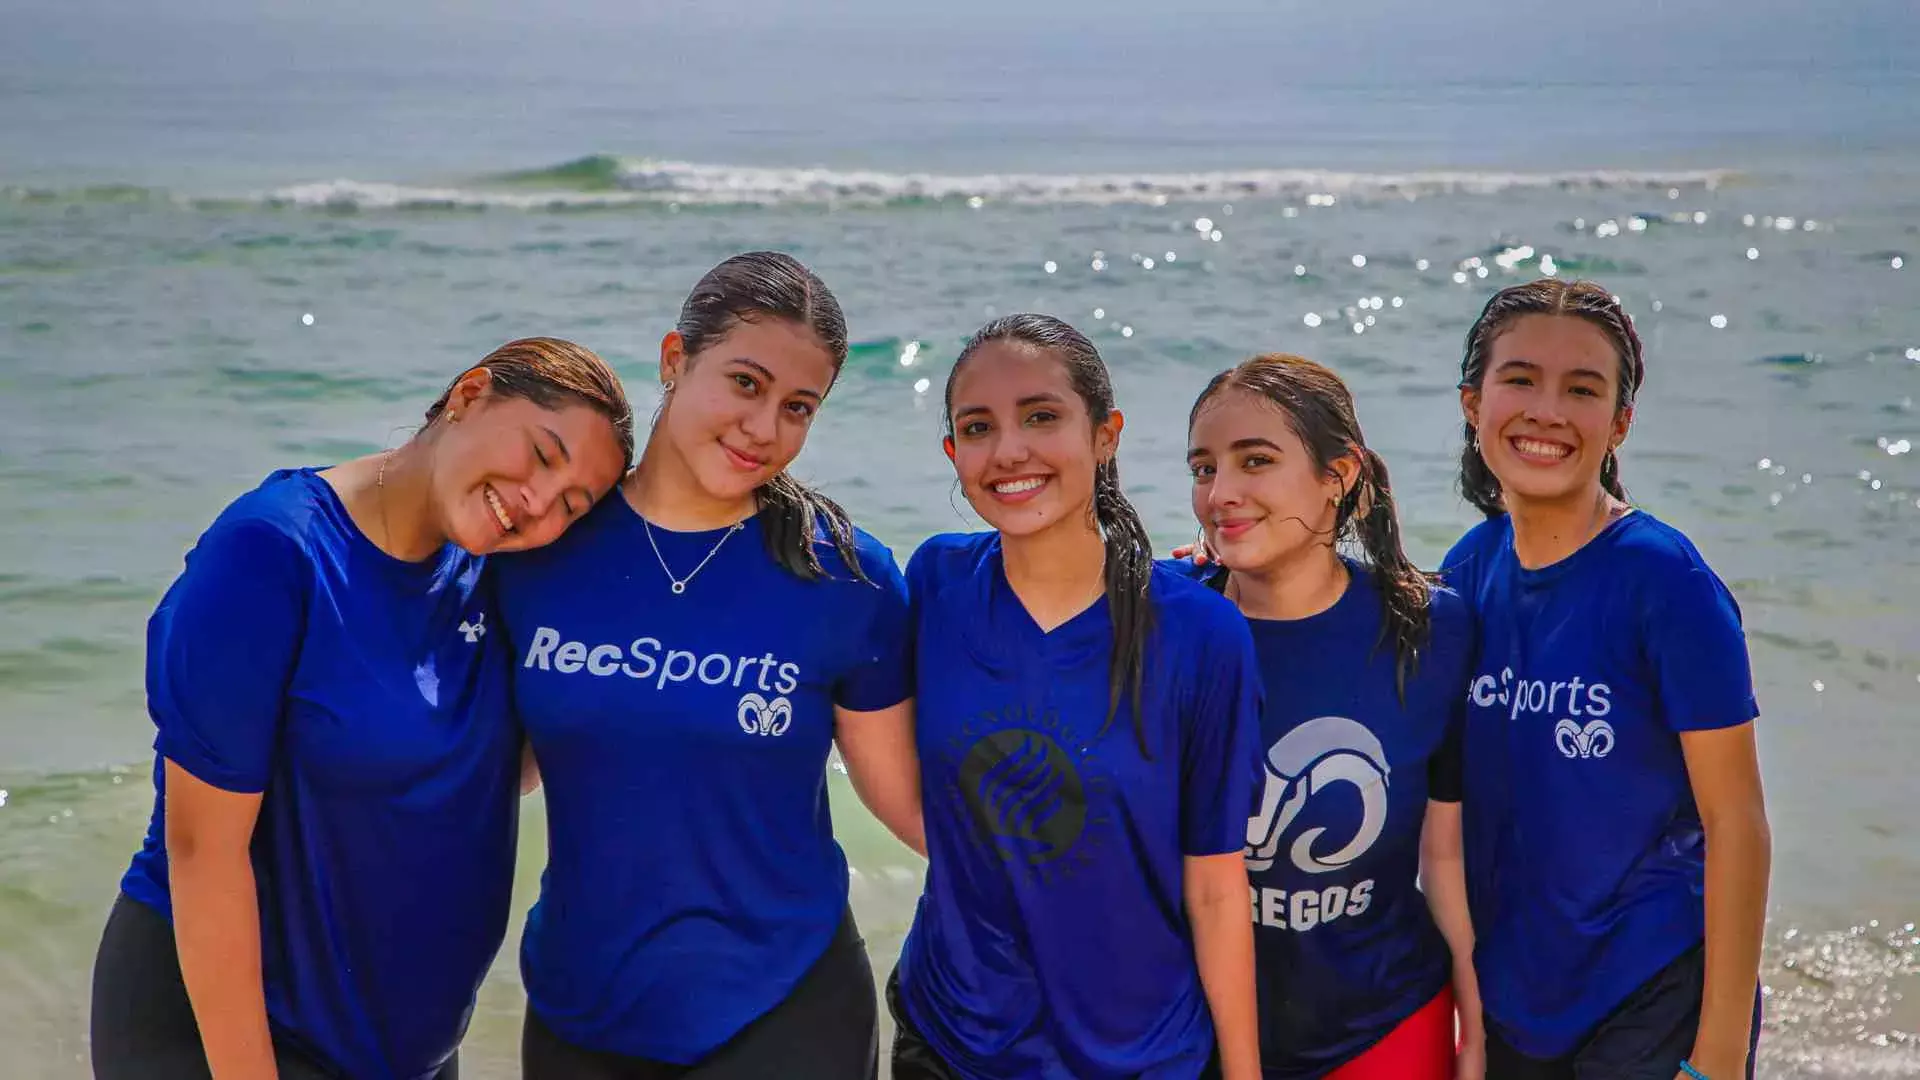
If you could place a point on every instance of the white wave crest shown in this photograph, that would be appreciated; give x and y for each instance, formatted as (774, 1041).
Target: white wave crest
(694, 184)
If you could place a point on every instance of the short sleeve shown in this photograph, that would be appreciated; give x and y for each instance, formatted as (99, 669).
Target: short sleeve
(883, 674)
(1444, 770)
(221, 650)
(1220, 767)
(1698, 652)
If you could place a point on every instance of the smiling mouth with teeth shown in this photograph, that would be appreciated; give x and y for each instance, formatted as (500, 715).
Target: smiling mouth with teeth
(1541, 449)
(499, 511)
(1015, 487)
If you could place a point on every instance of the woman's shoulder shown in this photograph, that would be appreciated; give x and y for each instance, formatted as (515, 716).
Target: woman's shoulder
(1183, 598)
(1646, 543)
(1476, 545)
(947, 557)
(288, 510)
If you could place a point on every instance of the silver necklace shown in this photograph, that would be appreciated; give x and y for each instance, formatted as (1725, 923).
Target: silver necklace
(680, 584)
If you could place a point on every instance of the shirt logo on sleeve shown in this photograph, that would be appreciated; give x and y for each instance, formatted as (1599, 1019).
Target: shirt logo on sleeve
(1311, 758)
(473, 631)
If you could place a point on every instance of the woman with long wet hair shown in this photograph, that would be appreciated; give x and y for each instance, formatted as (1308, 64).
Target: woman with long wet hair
(1365, 951)
(1616, 835)
(1088, 736)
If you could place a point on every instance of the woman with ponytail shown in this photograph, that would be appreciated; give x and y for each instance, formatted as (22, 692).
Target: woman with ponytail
(1616, 836)
(1365, 664)
(1088, 739)
(684, 661)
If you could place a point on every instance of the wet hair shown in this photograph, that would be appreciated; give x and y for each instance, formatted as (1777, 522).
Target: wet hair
(1319, 408)
(553, 374)
(1129, 550)
(760, 285)
(1547, 296)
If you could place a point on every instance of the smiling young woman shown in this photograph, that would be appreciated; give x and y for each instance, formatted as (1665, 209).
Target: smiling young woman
(1616, 835)
(687, 658)
(1088, 736)
(1362, 939)
(327, 873)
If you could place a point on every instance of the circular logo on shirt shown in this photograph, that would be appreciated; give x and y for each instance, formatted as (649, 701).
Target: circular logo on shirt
(1024, 791)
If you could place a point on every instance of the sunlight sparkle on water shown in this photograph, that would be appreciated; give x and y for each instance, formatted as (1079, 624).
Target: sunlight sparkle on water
(1421, 264)
(1299, 270)
(1719, 322)
(920, 385)
(1050, 266)
(1359, 261)
(911, 350)
(1311, 318)
(307, 319)
(1753, 253)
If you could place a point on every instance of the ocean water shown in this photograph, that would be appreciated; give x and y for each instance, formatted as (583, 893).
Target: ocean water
(233, 240)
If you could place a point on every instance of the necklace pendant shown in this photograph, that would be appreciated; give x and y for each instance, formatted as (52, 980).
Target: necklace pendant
(679, 587)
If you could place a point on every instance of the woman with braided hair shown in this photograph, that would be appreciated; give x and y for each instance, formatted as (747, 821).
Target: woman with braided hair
(1088, 727)
(1364, 948)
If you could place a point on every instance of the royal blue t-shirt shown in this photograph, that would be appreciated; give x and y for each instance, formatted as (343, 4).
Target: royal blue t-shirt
(365, 698)
(692, 875)
(1052, 938)
(1586, 861)
(1346, 944)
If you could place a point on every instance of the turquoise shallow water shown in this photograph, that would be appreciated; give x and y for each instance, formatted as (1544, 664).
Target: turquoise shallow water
(169, 217)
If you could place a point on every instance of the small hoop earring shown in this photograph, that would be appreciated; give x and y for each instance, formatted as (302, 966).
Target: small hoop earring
(666, 387)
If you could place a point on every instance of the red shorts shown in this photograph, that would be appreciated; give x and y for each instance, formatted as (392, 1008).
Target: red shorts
(1421, 1048)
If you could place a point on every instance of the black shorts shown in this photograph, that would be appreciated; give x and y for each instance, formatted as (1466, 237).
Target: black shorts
(143, 1026)
(916, 1059)
(1645, 1038)
(826, 1029)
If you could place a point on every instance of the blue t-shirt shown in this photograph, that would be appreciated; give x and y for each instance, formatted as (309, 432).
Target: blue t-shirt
(365, 698)
(1586, 861)
(1347, 947)
(1052, 938)
(692, 875)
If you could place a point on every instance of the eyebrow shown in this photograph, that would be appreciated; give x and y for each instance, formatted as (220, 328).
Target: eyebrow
(1531, 366)
(1238, 444)
(768, 375)
(1043, 398)
(565, 454)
